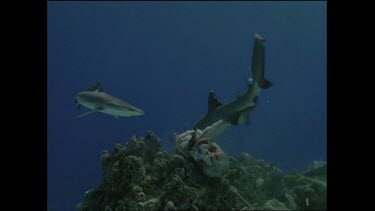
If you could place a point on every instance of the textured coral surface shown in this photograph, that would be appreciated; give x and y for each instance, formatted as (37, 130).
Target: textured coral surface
(141, 176)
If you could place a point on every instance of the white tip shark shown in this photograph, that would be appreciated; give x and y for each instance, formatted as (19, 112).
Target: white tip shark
(238, 110)
(97, 100)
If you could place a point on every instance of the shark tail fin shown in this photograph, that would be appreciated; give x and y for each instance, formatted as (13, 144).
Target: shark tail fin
(264, 84)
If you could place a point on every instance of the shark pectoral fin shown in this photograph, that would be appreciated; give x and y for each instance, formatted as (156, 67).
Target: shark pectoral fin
(87, 113)
(241, 117)
(264, 84)
(235, 118)
(116, 117)
(244, 118)
(213, 102)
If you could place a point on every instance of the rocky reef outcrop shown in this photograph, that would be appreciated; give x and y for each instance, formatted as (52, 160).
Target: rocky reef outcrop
(207, 154)
(140, 175)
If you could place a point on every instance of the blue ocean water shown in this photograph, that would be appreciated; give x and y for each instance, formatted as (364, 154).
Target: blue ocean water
(165, 57)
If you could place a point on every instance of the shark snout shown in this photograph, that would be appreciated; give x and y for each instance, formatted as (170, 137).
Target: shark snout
(140, 112)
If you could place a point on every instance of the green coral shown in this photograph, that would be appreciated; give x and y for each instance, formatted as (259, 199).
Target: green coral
(141, 176)
(308, 189)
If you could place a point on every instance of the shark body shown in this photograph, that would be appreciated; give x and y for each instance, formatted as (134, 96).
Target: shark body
(317, 173)
(97, 100)
(237, 111)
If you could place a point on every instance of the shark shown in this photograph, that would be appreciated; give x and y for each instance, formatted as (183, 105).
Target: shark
(237, 111)
(97, 100)
(317, 173)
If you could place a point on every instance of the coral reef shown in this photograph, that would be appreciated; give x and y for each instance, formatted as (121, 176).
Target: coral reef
(197, 176)
(198, 146)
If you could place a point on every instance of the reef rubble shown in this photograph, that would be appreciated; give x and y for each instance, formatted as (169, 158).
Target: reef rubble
(198, 175)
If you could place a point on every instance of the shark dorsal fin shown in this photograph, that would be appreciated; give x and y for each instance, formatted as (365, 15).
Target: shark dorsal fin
(97, 87)
(213, 102)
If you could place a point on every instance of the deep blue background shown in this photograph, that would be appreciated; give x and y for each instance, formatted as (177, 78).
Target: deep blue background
(165, 57)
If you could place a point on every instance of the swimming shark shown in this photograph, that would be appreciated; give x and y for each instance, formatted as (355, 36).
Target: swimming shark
(317, 173)
(97, 100)
(237, 111)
